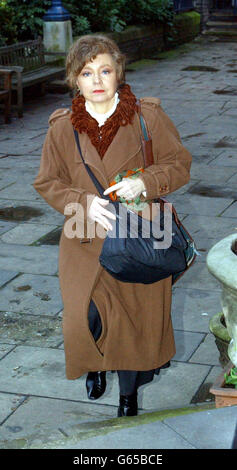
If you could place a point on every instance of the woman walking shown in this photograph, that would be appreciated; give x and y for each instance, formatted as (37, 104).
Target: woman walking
(108, 325)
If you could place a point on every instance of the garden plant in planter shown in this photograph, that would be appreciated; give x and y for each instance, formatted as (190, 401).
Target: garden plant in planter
(222, 264)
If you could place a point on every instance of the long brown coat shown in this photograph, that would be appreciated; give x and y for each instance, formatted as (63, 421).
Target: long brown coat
(137, 331)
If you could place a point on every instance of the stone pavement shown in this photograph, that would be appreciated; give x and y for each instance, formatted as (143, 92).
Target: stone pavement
(38, 404)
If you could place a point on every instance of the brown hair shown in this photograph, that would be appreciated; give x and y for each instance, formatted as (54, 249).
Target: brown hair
(87, 48)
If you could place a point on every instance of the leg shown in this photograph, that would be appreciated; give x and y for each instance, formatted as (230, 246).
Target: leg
(129, 381)
(128, 385)
(94, 320)
(96, 381)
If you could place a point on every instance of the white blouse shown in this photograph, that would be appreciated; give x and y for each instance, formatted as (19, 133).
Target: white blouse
(101, 118)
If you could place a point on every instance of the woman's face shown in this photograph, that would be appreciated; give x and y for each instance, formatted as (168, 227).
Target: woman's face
(97, 82)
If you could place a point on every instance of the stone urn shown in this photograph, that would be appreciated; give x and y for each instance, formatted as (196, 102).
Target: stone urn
(218, 328)
(222, 264)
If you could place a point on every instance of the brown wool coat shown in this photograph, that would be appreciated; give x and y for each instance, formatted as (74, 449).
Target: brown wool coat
(137, 331)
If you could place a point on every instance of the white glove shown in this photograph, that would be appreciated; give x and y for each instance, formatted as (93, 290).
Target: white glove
(97, 213)
(128, 188)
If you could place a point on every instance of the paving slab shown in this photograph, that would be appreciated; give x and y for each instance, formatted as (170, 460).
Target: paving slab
(8, 404)
(5, 348)
(31, 330)
(203, 394)
(193, 308)
(19, 164)
(149, 436)
(32, 294)
(233, 179)
(198, 277)
(47, 415)
(230, 211)
(192, 429)
(21, 146)
(32, 211)
(203, 244)
(6, 276)
(227, 158)
(15, 192)
(212, 429)
(199, 205)
(207, 352)
(213, 173)
(186, 343)
(6, 180)
(29, 259)
(26, 234)
(213, 190)
(41, 372)
(5, 226)
(205, 227)
(158, 396)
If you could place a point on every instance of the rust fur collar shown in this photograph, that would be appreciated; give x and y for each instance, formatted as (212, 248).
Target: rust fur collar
(101, 137)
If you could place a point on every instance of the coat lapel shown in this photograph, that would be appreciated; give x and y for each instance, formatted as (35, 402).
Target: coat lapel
(92, 159)
(125, 145)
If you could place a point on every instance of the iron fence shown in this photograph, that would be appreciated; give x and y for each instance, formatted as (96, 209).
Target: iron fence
(183, 5)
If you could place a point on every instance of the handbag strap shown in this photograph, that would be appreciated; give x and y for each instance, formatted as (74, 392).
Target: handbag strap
(146, 146)
(146, 139)
(97, 184)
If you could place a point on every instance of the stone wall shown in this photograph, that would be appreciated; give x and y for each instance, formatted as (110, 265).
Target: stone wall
(141, 42)
(186, 28)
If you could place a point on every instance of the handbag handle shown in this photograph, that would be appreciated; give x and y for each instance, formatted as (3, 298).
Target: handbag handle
(97, 184)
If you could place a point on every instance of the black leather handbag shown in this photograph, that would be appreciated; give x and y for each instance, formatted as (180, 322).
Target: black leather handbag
(131, 251)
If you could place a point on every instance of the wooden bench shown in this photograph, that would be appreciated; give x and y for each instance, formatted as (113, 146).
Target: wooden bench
(27, 61)
(5, 92)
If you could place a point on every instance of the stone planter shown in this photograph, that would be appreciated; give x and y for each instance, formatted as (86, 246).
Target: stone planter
(222, 264)
(224, 396)
(218, 328)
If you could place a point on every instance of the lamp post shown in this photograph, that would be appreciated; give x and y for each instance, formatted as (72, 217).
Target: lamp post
(57, 12)
(57, 29)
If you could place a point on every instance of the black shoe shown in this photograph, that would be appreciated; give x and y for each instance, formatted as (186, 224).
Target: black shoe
(128, 405)
(95, 384)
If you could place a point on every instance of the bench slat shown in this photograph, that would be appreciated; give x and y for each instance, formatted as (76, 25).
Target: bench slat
(39, 76)
(28, 60)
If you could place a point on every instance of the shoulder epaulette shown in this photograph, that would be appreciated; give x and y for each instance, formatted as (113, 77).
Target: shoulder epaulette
(59, 113)
(150, 100)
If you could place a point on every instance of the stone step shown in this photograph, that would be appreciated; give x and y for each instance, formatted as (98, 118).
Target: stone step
(223, 18)
(221, 25)
(223, 12)
(221, 34)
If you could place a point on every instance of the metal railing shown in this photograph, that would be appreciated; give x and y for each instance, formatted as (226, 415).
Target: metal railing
(183, 5)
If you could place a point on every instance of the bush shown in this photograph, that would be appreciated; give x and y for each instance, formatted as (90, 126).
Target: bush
(8, 31)
(102, 15)
(115, 15)
(23, 20)
(148, 11)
